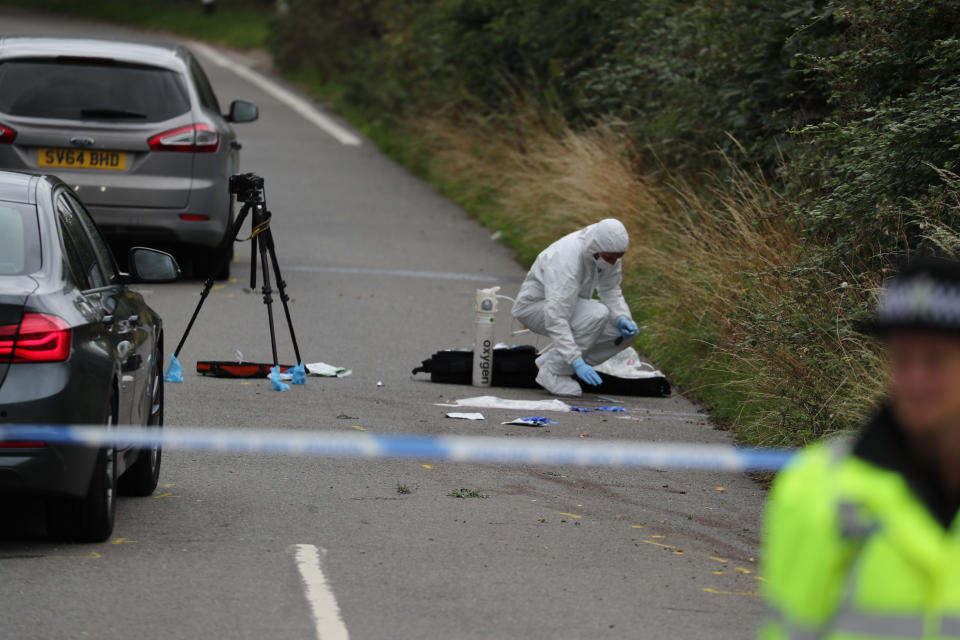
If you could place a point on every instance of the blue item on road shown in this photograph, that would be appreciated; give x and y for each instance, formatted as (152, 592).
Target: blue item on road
(628, 328)
(276, 382)
(299, 374)
(613, 409)
(586, 373)
(539, 420)
(174, 371)
(580, 409)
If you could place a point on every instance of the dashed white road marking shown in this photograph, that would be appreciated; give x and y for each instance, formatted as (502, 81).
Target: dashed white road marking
(326, 614)
(407, 273)
(295, 102)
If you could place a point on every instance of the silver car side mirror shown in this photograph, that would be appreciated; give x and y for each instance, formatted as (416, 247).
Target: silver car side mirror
(243, 111)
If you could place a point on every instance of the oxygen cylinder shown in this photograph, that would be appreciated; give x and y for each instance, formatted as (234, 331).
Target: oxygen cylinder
(486, 318)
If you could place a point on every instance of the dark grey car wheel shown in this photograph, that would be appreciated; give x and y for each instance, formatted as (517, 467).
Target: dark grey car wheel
(90, 518)
(143, 475)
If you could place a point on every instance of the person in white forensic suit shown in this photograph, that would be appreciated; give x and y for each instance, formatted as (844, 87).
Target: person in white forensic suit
(557, 300)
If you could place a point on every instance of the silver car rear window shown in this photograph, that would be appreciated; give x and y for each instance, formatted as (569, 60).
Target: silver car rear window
(19, 239)
(90, 89)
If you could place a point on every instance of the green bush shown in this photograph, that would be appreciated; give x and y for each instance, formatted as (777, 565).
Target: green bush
(871, 167)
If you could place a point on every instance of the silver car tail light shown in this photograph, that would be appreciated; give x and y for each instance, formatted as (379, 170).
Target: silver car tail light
(7, 135)
(196, 138)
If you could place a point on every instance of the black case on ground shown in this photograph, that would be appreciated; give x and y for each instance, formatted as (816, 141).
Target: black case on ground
(516, 367)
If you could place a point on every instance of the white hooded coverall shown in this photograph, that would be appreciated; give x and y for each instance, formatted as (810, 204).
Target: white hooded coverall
(556, 298)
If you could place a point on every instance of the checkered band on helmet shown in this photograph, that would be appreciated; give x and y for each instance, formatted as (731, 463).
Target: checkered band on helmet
(920, 302)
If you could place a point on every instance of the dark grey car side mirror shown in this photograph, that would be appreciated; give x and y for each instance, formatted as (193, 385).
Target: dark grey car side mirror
(243, 111)
(150, 265)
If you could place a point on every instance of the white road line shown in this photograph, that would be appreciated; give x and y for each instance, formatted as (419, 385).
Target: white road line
(326, 614)
(408, 273)
(295, 102)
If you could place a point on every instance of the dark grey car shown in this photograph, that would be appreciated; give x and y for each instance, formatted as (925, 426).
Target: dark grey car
(77, 346)
(135, 130)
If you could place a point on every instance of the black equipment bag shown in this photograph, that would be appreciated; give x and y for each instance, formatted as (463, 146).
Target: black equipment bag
(513, 367)
(516, 367)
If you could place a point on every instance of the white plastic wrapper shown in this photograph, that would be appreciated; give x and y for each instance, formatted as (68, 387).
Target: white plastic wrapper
(321, 369)
(627, 364)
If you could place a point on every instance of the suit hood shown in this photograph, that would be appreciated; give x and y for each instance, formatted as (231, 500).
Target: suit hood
(606, 236)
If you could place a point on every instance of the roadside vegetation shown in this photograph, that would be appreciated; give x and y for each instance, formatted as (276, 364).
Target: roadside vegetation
(774, 161)
(241, 24)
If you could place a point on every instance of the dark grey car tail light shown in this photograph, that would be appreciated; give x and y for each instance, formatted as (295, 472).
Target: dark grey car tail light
(7, 134)
(39, 337)
(196, 138)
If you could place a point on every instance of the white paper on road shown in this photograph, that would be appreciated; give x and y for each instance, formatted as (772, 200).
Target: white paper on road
(324, 369)
(466, 416)
(627, 364)
(320, 369)
(493, 402)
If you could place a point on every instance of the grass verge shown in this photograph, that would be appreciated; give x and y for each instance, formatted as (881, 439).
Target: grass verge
(242, 24)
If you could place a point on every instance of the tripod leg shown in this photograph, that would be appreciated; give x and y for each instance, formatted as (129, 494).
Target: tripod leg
(253, 262)
(268, 298)
(224, 253)
(282, 289)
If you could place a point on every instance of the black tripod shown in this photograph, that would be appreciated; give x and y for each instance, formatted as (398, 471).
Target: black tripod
(248, 188)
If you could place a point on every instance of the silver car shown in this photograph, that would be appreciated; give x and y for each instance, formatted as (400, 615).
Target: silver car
(135, 130)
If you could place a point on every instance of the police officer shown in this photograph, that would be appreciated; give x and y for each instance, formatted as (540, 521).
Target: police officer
(861, 534)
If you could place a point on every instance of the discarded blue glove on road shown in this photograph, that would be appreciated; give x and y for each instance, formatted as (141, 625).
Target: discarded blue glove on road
(538, 420)
(580, 409)
(611, 409)
(299, 373)
(628, 328)
(586, 373)
(174, 371)
(276, 382)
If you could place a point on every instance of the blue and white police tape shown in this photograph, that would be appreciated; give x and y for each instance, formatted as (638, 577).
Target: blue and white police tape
(452, 448)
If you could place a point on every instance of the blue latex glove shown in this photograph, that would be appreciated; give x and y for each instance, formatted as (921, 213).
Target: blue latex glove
(586, 373)
(538, 420)
(174, 371)
(276, 382)
(628, 328)
(299, 373)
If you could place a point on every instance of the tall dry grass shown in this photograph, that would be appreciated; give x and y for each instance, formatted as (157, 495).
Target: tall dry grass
(717, 271)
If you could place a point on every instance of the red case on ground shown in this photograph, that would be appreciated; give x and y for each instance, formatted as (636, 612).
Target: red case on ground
(227, 369)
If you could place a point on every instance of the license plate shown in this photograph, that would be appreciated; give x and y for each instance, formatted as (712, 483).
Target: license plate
(83, 159)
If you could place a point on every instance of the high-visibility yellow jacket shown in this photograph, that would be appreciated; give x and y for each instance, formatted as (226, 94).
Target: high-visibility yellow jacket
(859, 543)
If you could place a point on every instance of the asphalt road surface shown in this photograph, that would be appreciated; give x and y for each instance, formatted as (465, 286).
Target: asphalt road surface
(382, 271)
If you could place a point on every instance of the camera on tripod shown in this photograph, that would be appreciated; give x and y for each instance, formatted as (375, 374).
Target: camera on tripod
(246, 186)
